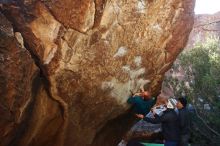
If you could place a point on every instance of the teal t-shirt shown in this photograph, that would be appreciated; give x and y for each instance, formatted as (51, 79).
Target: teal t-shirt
(141, 106)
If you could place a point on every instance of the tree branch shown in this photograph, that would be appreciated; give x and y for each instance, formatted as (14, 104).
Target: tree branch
(204, 122)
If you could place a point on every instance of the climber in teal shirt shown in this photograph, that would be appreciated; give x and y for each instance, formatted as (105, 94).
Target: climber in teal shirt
(142, 102)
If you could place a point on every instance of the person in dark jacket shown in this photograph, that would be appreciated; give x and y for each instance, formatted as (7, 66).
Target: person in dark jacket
(184, 121)
(170, 124)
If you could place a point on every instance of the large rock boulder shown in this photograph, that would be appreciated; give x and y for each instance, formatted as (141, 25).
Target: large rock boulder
(17, 71)
(25, 106)
(91, 54)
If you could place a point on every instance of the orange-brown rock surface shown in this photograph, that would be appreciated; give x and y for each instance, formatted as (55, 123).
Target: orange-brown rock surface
(17, 72)
(90, 54)
(25, 106)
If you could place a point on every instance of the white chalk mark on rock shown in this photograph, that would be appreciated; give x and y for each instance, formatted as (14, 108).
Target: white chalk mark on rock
(141, 6)
(107, 85)
(122, 51)
(126, 69)
(136, 73)
(138, 60)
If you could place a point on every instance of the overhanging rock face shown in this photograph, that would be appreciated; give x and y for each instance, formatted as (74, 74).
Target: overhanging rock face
(91, 53)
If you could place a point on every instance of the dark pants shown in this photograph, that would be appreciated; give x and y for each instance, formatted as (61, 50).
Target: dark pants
(170, 143)
(184, 140)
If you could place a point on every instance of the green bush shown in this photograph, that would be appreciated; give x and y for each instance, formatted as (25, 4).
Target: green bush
(201, 66)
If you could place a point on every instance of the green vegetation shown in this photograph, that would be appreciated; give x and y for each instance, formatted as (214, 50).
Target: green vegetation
(200, 67)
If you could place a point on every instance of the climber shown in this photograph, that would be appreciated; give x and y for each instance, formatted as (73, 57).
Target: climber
(142, 102)
(170, 123)
(142, 127)
(184, 121)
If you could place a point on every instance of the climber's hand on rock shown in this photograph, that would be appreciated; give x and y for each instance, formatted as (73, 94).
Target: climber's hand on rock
(140, 116)
(137, 94)
(154, 113)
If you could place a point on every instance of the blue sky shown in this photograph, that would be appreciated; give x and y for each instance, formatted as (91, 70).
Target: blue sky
(207, 6)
